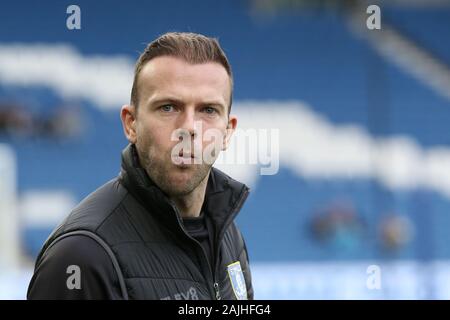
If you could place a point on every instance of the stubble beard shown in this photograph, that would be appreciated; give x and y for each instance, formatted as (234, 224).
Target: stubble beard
(161, 169)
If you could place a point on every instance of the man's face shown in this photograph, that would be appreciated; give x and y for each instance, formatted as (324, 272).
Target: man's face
(177, 97)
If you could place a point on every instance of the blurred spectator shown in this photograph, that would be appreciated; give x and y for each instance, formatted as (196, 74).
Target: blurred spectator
(15, 120)
(63, 123)
(396, 232)
(338, 225)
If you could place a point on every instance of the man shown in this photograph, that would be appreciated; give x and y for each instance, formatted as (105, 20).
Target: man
(164, 228)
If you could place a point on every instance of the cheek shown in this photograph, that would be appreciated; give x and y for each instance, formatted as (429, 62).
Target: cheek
(164, 141)
(150, 135)
(213, 134)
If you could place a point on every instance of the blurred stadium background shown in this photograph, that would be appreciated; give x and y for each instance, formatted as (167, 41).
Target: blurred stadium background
(363, 116)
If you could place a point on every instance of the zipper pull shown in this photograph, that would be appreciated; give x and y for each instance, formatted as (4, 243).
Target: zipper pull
(216, 288)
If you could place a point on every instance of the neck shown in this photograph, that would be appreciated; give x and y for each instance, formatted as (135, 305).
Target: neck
(191, 204)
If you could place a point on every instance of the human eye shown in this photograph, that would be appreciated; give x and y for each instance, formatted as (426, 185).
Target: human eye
(167, 108)
(209, 110)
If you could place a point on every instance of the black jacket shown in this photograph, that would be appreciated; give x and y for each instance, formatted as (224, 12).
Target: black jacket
(128, 241)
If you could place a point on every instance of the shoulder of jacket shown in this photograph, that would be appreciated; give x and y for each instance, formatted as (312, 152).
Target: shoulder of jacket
(93, 210)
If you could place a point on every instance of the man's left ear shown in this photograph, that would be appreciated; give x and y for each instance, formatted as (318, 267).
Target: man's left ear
(231, 126)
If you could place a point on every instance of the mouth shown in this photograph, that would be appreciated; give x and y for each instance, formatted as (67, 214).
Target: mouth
(184, 158)
(187, 155)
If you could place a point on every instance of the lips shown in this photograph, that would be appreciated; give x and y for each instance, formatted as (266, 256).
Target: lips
(184, 158)
(190, 155)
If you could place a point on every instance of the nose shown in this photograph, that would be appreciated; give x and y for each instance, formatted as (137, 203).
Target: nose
(187, 124)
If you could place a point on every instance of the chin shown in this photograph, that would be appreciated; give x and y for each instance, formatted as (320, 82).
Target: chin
(180, 179)
(179, 189)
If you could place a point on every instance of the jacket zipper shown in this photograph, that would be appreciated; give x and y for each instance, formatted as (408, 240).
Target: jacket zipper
(214, 290)
(213, 271)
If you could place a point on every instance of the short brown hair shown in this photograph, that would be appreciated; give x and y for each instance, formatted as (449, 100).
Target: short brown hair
(194, 48)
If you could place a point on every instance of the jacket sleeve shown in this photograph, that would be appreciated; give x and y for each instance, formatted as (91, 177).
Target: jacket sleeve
(74, 268)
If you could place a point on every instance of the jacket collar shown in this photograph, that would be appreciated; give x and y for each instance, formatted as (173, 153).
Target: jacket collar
(224, 196)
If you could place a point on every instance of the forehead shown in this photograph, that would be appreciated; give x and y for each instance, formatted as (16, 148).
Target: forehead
(174, 76)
